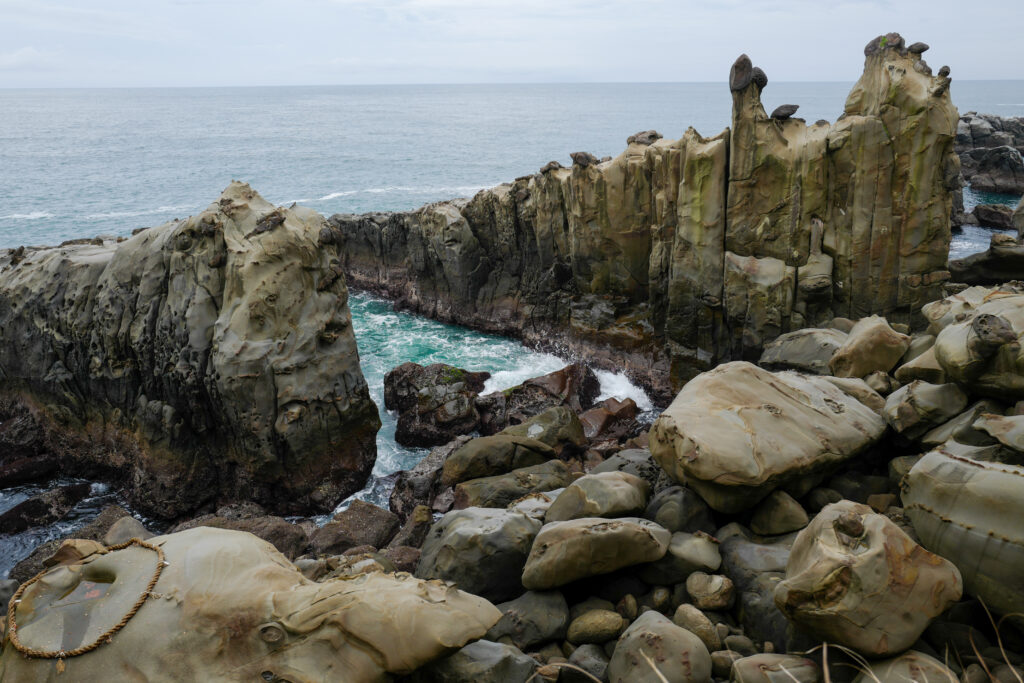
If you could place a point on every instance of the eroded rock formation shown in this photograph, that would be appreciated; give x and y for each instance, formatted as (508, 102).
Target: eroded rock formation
(203, 360)
(679, 254)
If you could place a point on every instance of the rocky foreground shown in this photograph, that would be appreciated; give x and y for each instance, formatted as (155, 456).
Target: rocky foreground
(834, 494)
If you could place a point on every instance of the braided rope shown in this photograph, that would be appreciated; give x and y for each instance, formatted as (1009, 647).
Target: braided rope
(12, 627)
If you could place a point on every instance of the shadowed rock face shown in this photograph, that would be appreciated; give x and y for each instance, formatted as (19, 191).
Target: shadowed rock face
(203, 360)
(679, 254)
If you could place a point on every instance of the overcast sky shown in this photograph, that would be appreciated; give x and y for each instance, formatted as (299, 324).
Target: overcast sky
(311, 42)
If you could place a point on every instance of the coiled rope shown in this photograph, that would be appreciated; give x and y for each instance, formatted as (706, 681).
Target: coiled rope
(106, 636)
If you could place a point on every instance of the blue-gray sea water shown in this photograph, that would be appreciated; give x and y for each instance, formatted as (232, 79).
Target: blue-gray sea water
(77, 163)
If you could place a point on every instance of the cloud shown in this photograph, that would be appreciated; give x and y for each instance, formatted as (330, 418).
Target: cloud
(26, 59)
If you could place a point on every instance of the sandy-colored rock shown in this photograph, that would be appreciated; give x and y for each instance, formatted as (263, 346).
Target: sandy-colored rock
(1008, 430)
(686, 554)
(871, 346)
(775, 668)
(502, 489)
(207, 359)
(854, 578)
(915, 409)
(961, 428)
(371, 625)
(124, 529)
(924, 367)
(736, 432)
(566, 551)
(697, 623)
(779, 513)
(487, 456)
(807, 350)
(605, 494)
(968, 511)
(680, 254)
(596, 626)
(909, 666)
(678, 654)
(710, 591)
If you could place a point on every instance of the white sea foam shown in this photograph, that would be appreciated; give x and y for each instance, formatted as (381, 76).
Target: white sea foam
(442, 190)
(539, 364)
(617, 385)
(32, 216)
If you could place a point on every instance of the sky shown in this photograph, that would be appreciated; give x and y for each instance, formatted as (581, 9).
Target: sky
(167, 43)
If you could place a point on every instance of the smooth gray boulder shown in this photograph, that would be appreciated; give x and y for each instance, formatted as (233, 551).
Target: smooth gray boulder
(566, 551)
(534, 617)
(913, 410)
(503, 489)
(653, 650)
(737, 432)
(481, 550)
(601, 494)
(481, 662)
(808, 350)
(776, 668)
(686, 554)
(678, 508)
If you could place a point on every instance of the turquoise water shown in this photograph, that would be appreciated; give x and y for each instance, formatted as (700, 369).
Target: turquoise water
(387, 338)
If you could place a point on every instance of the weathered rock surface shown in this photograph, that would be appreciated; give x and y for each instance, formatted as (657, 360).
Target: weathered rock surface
(736, 432)
(204, 360)
(533, 618)
(481, 550)
(654, 641)
(916, 408)
(807, 350)
(679, 254)
(872, 345)
(909, 666)
(502, 489)
(359, 524)
(566, 551)
(575, 386)
(481, 662)
(436, 402)
(775, 668)
(279, 621)
(1001, 262)
(605, 494)
(968, 511)
(994, 169)
(856, 579)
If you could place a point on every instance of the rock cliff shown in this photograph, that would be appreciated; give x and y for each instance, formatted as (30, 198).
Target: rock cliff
(210, 359)
(680, 254)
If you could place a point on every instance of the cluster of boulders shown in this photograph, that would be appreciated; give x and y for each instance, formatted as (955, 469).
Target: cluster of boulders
(990, 149)
(1003, 260)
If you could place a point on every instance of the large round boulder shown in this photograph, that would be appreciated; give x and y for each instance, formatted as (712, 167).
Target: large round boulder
(653, 650)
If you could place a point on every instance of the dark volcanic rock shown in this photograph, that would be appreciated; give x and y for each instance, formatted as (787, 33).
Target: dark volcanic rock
(1001, 262)
(206, 360)
(93, 531)
(575, 386)
(436, 402)
(998, 216)
(43, 509)
(360, 524)
(784, 111)
(290, 539)
(994, 169)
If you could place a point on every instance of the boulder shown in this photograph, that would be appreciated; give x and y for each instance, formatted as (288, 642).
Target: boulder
(575, 386)
(487, 456)
(1002, 261)
(42, 509)
(871, 345)
(611, 419)
(361, 523)
(373, 625)
(421, 484)
(994, 169)
(653, 650)
(596, 627)
(210, 359)
(999, 216)
(784, 111)
(125, 529)
(696, 622)
(916, 408)
(677, 508)
(502, 489)
(533, 618)
(480, 662)
(291, 540)
(557, 427)
(737, 432)
(968, 511)
(776, 668)
(566, 551)
(636, 461)
(808, 350)
(777, 514)
(909, 666)
(686, 554)
(481, 550)
(590, 658)
(710, 591)
(1008, 430)
(961, 428)
(604, 494)
(435, 403)
(854, 578)
(924, 368)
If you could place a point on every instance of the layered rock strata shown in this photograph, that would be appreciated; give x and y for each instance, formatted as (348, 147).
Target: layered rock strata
(679, 254)
(210, 359)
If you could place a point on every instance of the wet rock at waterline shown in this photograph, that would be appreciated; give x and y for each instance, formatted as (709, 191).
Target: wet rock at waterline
(436, 402)
(242, 380)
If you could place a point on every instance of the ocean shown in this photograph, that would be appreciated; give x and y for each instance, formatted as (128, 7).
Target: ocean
(78, 163)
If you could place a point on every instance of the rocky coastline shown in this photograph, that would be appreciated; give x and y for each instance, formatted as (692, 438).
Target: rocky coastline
(831, 489)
